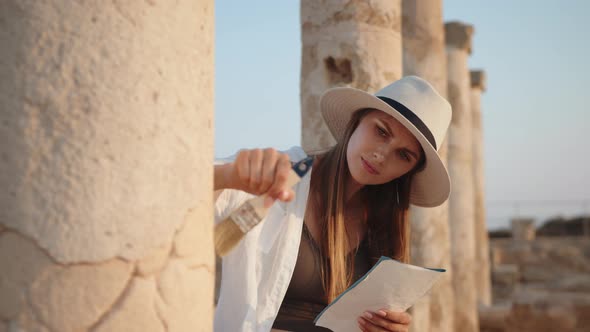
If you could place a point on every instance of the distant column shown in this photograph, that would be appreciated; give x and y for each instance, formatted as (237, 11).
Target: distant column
(352, 43)
(482, 249)
(523, 230)
(424, 55)
(461, 202)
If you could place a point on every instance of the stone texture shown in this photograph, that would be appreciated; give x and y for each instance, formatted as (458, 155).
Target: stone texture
(26, 322)
(567, 257)
(459, 35)
(535, 273)
(420, 313)
(548, 313)
(96, 154)
(423, 42)
(26, 326)
(424, 56)
(498, 255)
(21, 262)
(193, 243)
(108, 109)
(482, 250)
(73, 298)
(154, 262)
(506, 282)
(579, 283)
(552, 286)
(136, 312)
(523, 229)
(493, 318)
(442, 296)
(352, 43)
(194, 237)
(429, 245)
(186, 297)
(478, 80)
(461, 202)
(506, 274)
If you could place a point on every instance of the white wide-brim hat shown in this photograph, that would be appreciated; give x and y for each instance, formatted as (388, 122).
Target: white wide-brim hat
(420, 108)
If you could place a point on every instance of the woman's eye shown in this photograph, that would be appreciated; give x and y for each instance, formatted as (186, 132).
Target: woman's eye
(405, 155)
(381, 131)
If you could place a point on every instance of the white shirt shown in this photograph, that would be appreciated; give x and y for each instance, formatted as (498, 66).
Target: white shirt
(257, 273)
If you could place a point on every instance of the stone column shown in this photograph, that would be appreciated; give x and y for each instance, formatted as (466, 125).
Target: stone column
(424, 56)
(461, 202)
(351, 43)
(523, 230)
(105, 165)
(482, 249)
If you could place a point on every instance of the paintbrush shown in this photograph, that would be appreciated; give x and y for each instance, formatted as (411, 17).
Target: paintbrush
(230, 231)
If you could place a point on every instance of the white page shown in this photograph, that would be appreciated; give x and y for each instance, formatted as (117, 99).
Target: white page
(389, 284)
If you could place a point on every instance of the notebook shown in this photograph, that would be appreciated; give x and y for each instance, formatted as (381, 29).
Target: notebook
(388, 284)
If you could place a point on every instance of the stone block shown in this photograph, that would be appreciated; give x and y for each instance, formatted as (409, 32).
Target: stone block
(72, 298)
(523, 229)
(498, 256)
(549, 311)
(459, 35)
(154, 262)
(26, 322)
(493, 318)
(189, 241)
(78, 170)
(21, 261)
(535, 273)
(136, 311)
(579, 283)
(568, 257)
(186, 297)
(540, 316)
(505, 280)
(506, 274)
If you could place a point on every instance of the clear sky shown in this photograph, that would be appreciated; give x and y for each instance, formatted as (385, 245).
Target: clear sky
(536, 116)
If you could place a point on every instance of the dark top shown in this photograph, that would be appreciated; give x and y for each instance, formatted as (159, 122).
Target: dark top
(305, 297)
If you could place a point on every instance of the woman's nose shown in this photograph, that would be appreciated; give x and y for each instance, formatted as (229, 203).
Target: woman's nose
(378, 157)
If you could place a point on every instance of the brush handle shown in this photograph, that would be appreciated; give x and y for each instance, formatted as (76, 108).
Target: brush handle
(253, 211)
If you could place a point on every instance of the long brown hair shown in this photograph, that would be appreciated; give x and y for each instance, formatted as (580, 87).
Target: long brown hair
(388, 230)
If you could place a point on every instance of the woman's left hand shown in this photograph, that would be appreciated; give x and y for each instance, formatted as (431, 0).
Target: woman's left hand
(384, 320)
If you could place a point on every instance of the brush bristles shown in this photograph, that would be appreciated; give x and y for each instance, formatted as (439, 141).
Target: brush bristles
(227, 236)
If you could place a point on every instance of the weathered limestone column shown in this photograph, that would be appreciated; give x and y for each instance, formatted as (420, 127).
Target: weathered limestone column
(461, 202)
(482, 249)
(424, 56)
(106, 116)
(523, 230)
(352, 43)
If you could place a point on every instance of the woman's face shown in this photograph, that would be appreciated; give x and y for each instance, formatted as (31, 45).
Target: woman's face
(381, 149)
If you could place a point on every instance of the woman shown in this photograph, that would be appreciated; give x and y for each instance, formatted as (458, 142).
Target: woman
(329, 229)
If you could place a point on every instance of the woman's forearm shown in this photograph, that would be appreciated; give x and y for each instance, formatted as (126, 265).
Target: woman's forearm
(220, 177)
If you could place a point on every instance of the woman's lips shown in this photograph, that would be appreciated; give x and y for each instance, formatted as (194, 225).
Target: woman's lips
(369, 167)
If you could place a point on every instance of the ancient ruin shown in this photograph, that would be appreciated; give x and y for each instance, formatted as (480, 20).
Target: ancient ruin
(460, 160)
(424, 55)
(107, 149)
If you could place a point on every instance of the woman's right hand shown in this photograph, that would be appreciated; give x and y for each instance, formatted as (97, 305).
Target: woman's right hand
(261, 172)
